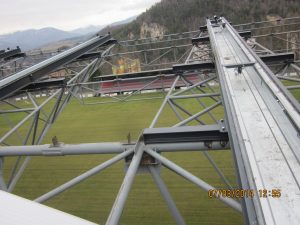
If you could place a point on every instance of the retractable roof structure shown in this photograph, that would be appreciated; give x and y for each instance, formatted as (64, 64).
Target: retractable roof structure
(261, 124)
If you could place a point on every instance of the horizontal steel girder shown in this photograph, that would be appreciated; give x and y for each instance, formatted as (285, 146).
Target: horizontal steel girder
(106, 148)
(45, 84)
(205, 39)
(10, 53)
(181, 68)
(263, 126)
(204, 133)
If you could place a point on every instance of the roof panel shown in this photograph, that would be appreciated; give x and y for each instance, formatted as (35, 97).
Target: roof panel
(17, 210)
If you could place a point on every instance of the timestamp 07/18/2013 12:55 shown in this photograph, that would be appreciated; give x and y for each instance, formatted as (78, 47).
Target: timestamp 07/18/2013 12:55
(244, 193)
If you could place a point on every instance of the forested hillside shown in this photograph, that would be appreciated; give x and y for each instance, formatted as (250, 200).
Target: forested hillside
(173, 16)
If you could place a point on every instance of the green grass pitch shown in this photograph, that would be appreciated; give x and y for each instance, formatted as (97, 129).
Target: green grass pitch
(93, 198)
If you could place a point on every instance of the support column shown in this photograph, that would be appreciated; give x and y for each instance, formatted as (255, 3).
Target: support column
(190, 177)
(2, 182)
(166, 195)
(117, 209)
(164, 103)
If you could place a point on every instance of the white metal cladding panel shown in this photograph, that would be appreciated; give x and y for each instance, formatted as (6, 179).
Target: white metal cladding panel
(15, 210)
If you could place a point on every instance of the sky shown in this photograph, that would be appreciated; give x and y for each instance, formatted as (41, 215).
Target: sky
(66, 14)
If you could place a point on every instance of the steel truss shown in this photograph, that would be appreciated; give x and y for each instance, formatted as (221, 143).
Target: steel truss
(193, 80)
(42, 114)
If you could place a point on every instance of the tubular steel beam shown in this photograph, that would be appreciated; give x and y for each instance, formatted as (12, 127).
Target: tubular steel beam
(82, 177)
(293, 87)
(196, 138)
(187, 175)
(26, 110)
(117, 209)
(2, 182)
(195, 96)
(82, 76)
(166, 195)
(193, 86)
(217, 169)
(164, 103)
(62, 149)
(18, 175)
(37, 109)
(186, 121)
(10, 85)
(106, 148)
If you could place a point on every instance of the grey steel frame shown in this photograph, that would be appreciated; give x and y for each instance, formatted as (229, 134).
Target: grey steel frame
(60, 100)
(138, 149)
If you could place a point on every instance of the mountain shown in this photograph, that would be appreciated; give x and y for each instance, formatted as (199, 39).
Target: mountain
(87, 30)
(167, 16)
(33, 38)
(173, 16)
(122, 22)
(86, 33)
(92, 29)
(117, 25)
(52, 37)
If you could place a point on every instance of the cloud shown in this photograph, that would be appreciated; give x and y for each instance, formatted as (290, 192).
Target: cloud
(137, 4)
(66, 14)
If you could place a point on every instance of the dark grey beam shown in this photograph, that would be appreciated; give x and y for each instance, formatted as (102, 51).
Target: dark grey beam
(288, 57)
(10, 53)
(203, 133)
(177, 68)
(18, 55)
(181, 68)
(205, 39)
(45, 84)
(204, 27)
(137, 74)
(282, 57)
(89, 55)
